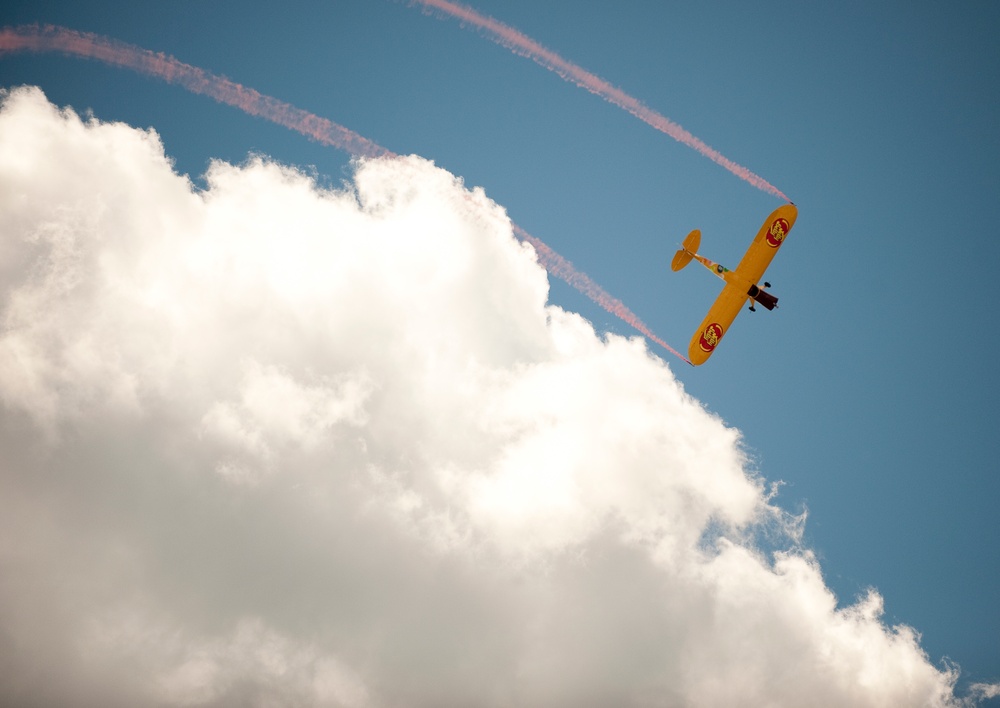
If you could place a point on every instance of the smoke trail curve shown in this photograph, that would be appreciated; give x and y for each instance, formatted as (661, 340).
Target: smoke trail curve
(521, 44)
(51, 38)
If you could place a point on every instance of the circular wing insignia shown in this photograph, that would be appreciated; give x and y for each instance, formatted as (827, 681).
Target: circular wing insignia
(710, 337)
(776, 234)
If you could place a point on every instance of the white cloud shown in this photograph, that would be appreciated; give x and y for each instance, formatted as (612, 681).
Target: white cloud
(269, 444)
(985, 690)
(266, 667)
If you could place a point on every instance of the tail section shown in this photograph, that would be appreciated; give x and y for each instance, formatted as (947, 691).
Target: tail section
(688, 249)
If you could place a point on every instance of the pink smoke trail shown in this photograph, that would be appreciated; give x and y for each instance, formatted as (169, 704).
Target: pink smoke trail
(564, 270)
(51, 38)
(84, 44)
(523, 45)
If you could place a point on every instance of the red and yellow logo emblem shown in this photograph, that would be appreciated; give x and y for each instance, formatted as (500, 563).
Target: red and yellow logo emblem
(710, 337)
(776, 234)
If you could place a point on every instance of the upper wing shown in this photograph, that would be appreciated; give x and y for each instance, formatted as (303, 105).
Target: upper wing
(716, 322)
(767, 242)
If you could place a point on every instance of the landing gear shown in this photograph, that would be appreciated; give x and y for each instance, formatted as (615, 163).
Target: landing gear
(767, 284)
(752, 308)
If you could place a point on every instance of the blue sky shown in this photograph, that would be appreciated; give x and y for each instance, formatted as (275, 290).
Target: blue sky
(871, 393)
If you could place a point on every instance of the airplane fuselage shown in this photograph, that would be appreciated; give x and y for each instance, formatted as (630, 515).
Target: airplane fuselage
(753, 291)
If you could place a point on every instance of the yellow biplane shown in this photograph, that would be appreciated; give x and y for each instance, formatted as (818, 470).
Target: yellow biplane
(741, 284)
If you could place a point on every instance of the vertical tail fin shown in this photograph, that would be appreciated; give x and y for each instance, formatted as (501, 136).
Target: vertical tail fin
(688, 249)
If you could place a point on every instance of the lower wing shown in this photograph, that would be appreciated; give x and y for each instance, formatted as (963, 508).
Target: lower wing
(716, 323)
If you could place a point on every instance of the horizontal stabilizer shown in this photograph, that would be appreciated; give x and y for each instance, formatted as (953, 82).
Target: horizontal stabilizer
(688, 249)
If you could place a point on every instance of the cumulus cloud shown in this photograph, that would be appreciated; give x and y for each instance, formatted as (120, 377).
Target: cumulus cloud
(266, 443)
